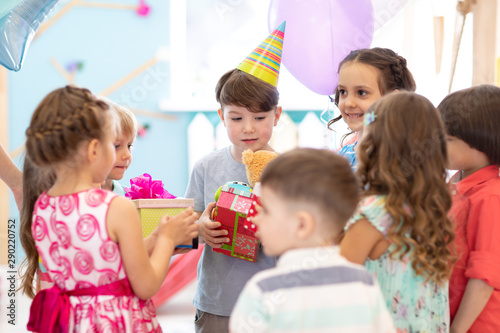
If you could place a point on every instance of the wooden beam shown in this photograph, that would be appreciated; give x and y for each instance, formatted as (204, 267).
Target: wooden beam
(4, 190)
(457, 39)
(129, 77)
(485, 40)
(438, 41)
(55, 18)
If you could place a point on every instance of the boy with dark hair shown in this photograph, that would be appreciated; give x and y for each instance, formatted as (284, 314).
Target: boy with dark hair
(472, 120)
(307, 197)
(249, 111)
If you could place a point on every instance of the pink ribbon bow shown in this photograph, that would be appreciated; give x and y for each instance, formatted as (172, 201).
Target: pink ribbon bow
(50, 309)
(143, 187)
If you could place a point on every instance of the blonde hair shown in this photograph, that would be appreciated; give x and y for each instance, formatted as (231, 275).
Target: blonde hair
(128, 122)
(403, 155)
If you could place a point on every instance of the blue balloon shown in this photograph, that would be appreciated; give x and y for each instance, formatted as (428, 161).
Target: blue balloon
(7, 5)
(17, 29)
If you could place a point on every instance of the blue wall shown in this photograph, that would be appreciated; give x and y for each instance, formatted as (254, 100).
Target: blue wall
(110, 44)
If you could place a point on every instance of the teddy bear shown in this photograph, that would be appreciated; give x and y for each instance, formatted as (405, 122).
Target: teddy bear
(255, 163)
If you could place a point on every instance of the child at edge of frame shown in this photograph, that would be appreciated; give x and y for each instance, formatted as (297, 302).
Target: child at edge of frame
(472, 119)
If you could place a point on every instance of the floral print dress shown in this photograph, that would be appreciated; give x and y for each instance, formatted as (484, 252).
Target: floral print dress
(71, 238)
(415, 306)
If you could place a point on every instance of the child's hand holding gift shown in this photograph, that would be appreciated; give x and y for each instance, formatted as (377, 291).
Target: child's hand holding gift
(179, 229)
(208, 229)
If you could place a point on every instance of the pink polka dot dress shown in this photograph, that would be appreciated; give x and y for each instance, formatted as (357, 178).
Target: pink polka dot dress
(71, 238)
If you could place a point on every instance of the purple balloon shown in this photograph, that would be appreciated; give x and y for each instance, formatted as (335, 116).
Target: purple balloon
(319, 34)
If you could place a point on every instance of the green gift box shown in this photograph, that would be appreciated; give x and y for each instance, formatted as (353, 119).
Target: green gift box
(151, 211)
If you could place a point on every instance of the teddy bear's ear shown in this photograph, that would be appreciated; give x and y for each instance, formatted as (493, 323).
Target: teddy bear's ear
(247, 156)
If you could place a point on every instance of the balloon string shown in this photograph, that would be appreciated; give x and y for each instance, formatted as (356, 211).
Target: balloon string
(330, 136)
(326, 110)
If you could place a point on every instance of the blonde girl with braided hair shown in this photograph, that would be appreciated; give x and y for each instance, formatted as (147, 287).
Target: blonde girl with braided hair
(90, 239)
(400, 231)
(364, 76)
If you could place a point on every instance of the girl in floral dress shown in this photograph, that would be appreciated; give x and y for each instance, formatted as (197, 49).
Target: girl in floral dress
(89, 239)
(401, 232)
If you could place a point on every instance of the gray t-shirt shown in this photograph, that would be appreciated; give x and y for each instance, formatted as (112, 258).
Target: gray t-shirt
(221, 278)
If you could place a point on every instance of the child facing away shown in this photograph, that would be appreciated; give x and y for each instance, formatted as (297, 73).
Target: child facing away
(307, 196)
(38, 180)
(400, 231)
(89, 239)
(472, 121)
(365, 75)
(123, 147)
(249, 111)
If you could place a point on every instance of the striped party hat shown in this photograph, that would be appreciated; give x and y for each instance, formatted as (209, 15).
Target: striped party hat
(264, 62)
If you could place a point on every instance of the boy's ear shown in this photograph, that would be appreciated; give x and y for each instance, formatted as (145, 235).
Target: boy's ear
(92, 150)
(305, 224)
(277, 115)
(221, 116)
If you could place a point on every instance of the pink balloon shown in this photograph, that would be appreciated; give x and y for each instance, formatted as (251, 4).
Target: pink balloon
(319, 34)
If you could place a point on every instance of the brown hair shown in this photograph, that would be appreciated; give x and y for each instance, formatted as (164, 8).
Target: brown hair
(473, 116)
(241, 89)
(393, 72)
(35, 181)
(403, 155)
(315, 176)
(65, 118)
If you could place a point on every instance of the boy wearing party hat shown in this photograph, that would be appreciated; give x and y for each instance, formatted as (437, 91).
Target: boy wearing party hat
(249, 110)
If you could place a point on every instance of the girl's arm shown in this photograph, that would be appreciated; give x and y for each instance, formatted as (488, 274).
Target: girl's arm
(147, 273)
(150, 241)
(11, 175)
(362, 240)
(477, 293)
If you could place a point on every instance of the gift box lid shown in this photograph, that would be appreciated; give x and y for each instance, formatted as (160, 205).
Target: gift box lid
(164, 203)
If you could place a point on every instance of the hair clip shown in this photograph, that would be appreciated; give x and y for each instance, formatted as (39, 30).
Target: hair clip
(369, 118)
